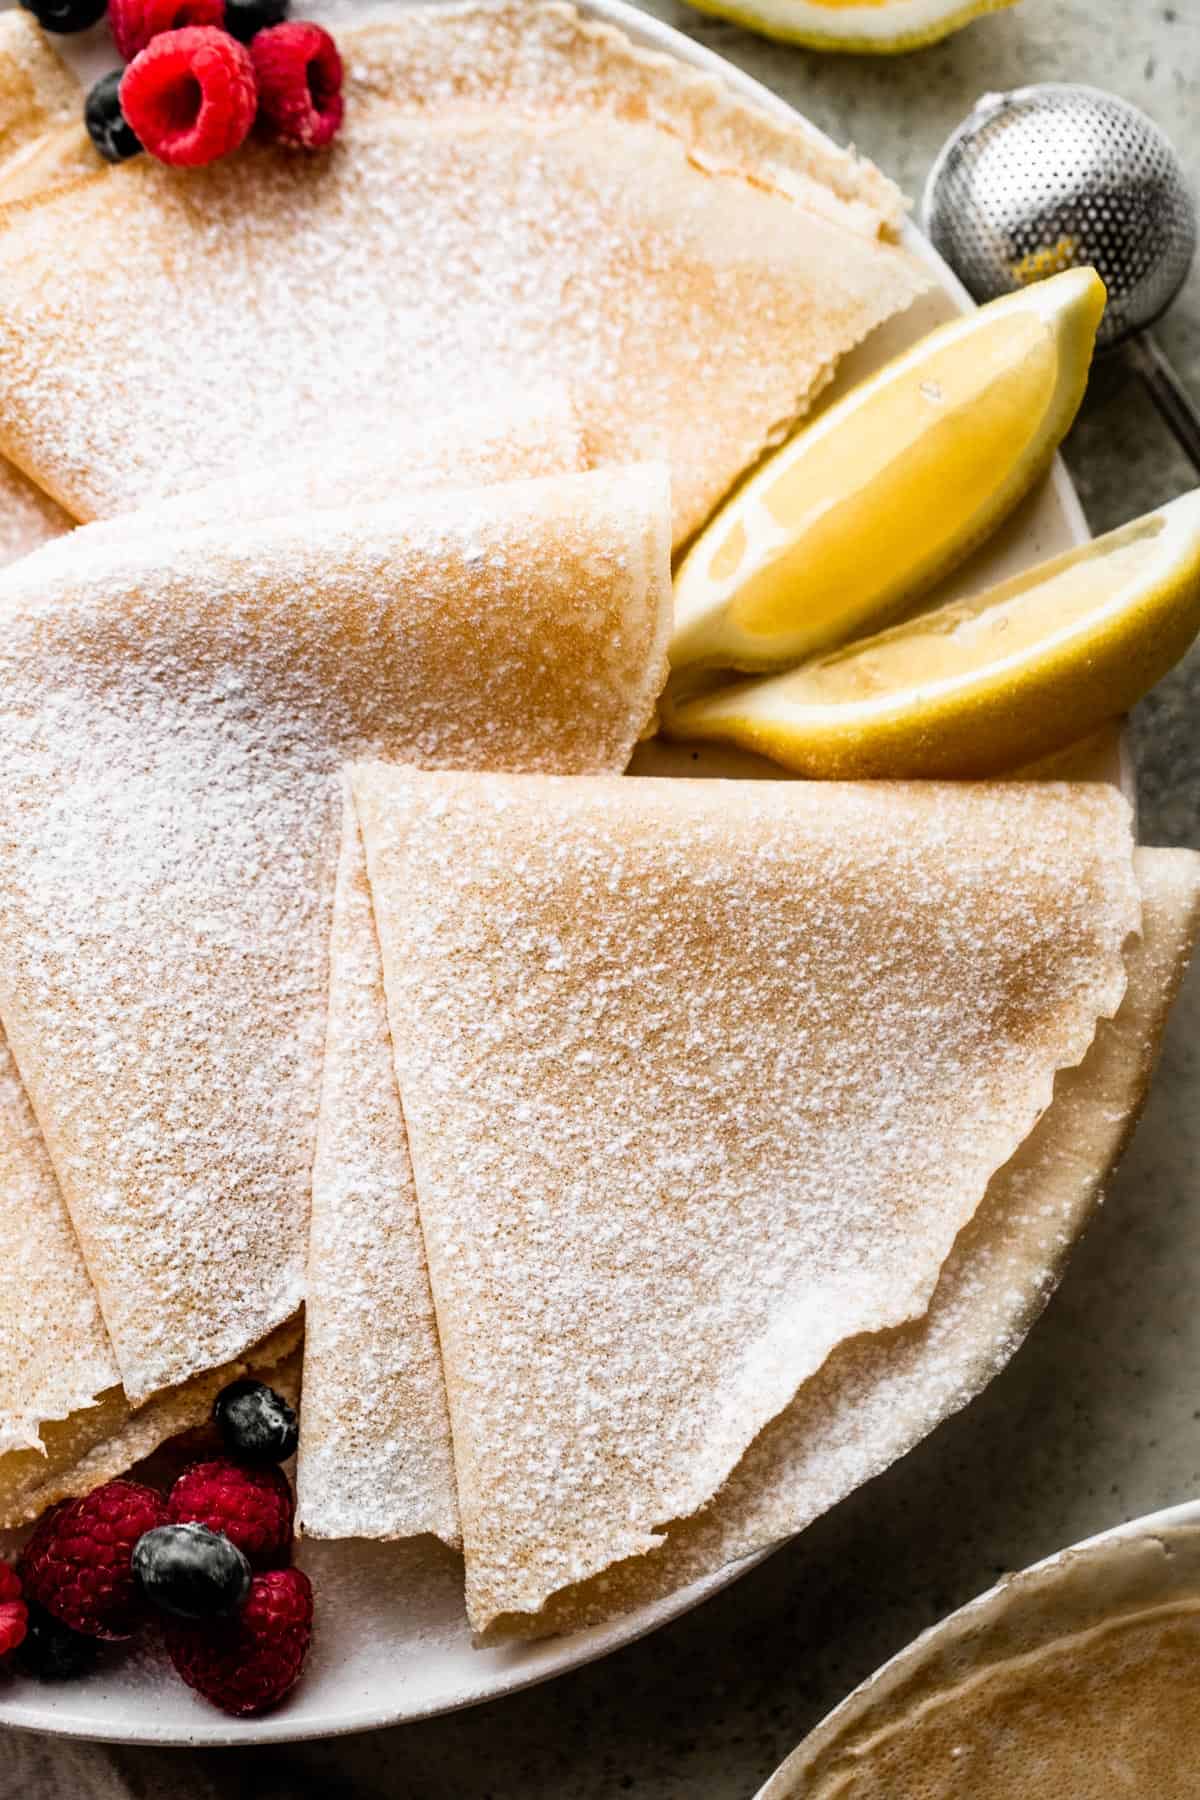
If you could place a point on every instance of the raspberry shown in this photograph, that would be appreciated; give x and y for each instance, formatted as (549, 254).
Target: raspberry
(134, 22)
(76, 1565)
(299, 84)
(14, 1614)
(190, 96)
(247, 1664)
(252, 1506)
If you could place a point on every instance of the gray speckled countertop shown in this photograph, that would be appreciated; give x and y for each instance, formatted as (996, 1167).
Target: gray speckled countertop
(1098, 1418)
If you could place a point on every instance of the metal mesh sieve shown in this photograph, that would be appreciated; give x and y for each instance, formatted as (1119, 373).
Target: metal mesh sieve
(1057, 176)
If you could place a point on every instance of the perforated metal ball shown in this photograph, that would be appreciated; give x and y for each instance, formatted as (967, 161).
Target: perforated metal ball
(1060, 176)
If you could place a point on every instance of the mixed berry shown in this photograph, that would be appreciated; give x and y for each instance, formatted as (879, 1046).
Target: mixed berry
(209, 1564)
(201, 73)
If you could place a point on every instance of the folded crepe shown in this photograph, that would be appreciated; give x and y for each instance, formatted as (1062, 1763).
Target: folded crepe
(102, 1440)
(375, 1453)
(878, 1395)
(173, 715)
(514, 439)
(55, 1356)
(702, 1080)
(690, 270)
(41, 102)
(41, 110)
(65, 1422)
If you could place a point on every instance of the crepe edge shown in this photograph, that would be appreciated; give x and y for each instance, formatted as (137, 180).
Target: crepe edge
(1125, 1052)
(1074, 1036)
(688, 102)
(95, 1444)
(439, 1519)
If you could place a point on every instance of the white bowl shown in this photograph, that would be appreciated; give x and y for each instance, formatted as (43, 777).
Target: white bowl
(1143, 1563)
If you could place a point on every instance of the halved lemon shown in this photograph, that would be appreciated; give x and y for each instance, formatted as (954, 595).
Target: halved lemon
(872, 26)
(986, 685)
(863, 510)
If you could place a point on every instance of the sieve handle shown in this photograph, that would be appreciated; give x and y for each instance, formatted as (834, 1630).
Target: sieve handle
(1167, 392)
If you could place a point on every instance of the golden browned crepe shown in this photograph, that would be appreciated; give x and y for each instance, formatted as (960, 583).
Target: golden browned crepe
(104, 1439)
(516, 439)
(690, 271)
(702, 1080)
(1077, 1680)
(65, 1423)
(878, 1395)
(42, 143)
(173, 715)
(40, 102)
(375, 1453)
(55, 1356)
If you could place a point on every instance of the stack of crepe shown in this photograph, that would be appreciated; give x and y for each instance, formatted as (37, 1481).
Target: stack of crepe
(747, 1126)
(177, 701)
(519, 196)
(677, 1152)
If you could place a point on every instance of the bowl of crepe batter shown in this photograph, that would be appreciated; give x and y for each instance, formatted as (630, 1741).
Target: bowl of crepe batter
(1079, 1677)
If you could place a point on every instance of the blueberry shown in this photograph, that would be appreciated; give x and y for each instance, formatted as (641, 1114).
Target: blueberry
(191, 1571)
(52, 1651)
(245, 17)
(256, 1423)
(108, 128)
(66, 15)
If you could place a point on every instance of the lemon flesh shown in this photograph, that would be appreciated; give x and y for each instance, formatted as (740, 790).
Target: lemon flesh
(861, 512)
(880, 27)
(982, 686)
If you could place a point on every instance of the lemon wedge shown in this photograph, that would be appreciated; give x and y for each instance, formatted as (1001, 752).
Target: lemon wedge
(873, 26)
(985, 685)
(864, 509)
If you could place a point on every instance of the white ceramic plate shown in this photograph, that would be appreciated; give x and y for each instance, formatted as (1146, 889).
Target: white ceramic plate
(392, 1641)
(1020, 1611)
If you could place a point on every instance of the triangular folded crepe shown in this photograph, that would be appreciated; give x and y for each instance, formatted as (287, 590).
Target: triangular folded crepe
(40, 99)
(375, 1452)
(100, 1441)
(172, 718)
(515, 439)
(690, 271)
(878, 1396)
(55, 1356)
(41, 105)
(65, 1423)
(702, 1080)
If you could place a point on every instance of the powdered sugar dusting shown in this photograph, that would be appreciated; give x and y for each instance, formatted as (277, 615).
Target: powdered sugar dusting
(520, 437)
(431, 259)
(37, 90)
(545, 58)
(878, 1396)
(28, 518)
(172, 718)
(54, 1352)
(702, 1079)
(375, 1455)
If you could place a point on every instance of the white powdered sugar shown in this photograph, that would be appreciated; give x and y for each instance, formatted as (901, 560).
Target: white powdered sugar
(878, 1395)
(375, 1457)
(172, 718)
(436, 257)
(702, 1079)
(54, 1352)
